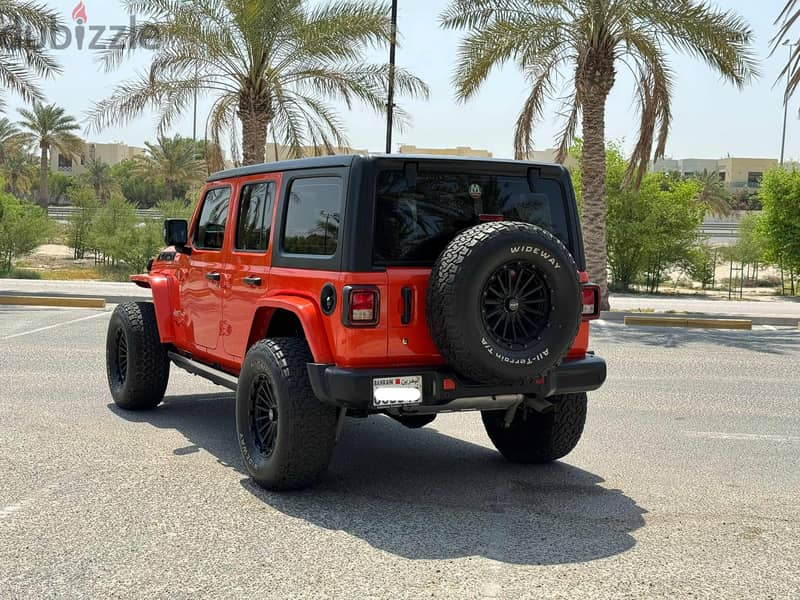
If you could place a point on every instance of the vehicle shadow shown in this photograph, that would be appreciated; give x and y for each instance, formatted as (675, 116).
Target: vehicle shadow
(424, 495)
(781, 341)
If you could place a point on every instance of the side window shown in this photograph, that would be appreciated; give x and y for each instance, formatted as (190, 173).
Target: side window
(313, 216)
(210, 231)
(254, 222)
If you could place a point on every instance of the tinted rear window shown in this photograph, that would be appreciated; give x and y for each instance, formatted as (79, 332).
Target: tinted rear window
(413, 224)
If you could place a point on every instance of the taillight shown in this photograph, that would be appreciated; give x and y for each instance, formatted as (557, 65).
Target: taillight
(591, 302)
(361, 306)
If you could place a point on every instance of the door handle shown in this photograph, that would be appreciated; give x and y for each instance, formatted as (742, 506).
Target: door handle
(405, 318)
(213, 276)
(252, 281)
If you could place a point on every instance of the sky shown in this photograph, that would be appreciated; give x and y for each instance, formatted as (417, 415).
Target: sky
(712, 119)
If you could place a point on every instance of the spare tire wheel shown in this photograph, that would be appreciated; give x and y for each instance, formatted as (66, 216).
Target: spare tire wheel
(504, 302)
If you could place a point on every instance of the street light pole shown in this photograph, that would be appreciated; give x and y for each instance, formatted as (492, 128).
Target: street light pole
(390, 95)
(790, 45)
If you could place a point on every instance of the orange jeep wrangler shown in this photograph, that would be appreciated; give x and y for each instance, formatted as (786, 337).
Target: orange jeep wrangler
(345, 285)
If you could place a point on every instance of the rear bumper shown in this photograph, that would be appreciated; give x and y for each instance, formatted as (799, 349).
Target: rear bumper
(352, 388)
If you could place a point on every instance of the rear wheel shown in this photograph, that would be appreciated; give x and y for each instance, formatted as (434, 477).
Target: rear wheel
(137, 364)
(286, 435)
(535, 437)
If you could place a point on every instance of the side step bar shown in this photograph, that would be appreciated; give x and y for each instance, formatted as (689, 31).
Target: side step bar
(195, 368)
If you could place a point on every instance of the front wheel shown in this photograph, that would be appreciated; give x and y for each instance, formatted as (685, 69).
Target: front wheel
(534, 437)
(137, 364)
(286, 435)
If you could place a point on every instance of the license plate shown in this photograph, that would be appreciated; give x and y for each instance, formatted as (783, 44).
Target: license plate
(397, 391)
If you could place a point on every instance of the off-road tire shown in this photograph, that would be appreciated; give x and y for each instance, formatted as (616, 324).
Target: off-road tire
(457, 294)
(534, 437)
(305, 427)
(137, 364)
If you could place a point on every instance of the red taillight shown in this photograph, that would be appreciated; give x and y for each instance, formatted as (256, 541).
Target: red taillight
(362, 306)
(591, 302)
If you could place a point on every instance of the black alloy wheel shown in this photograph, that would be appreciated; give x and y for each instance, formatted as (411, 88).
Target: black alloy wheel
(515, 305)
(263, 415)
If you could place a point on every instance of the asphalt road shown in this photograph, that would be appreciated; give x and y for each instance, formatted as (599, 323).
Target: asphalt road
(685, 484)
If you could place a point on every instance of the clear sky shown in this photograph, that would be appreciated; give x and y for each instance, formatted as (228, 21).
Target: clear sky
(711, 118)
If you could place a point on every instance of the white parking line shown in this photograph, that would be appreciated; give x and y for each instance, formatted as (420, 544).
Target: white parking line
(16, 335)
(742, 437)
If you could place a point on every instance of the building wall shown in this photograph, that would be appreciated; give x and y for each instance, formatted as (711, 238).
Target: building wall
(549, 156)
(110, 154)
(745, 172)
(736, 172)
(457, 151)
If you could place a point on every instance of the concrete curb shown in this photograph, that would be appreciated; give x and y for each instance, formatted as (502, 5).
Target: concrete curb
(58, 301)
(755, 320)
(689, 322)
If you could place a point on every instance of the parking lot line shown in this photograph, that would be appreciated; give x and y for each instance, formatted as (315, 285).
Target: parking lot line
(16, 335)
(743, 437)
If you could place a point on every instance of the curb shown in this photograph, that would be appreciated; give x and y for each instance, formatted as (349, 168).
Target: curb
(59, 301)
(619, 317)
(689, 322)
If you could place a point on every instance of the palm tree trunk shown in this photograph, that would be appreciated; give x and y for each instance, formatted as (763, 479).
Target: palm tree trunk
(255, 120)
(593, 210)
(44, 194)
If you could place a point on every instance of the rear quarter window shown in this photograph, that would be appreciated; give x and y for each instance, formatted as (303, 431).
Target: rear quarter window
(313, 216)
(414, 223)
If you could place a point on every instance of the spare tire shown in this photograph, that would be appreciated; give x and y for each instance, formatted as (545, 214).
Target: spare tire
(504, 302)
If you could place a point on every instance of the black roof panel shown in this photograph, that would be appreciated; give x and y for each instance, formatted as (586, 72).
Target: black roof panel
(285, 165)
(346, 160)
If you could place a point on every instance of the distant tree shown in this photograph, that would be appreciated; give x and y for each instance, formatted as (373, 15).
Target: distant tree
(111, 227)
(174, 162)
(19, 170)
(50, 127)
(12, 139)
(99, 176)
(700, 263)
(24, 60)
(143, 192)
(175, 209)
(780, 194)
(79, 229)
(713, 194)
(23, 227)
(58, 184)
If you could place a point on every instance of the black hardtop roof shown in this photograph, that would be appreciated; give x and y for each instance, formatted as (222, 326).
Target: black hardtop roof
(346, 160)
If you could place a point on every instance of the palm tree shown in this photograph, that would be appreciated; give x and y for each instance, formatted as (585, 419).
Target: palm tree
(23, 58)
(19, 170)
(713, 194)
(174, 162)
(578, 44)
(270, 66)
(787, 20)
(98, 175)
(9, 137)
(50, 127)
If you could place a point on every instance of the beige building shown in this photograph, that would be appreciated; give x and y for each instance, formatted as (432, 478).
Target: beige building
(457, 151)
(283, 152)
(736, 172)
(549, 156)
(110, 154)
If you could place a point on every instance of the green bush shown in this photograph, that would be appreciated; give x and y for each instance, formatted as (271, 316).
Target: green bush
(23, 227)
(20, 274)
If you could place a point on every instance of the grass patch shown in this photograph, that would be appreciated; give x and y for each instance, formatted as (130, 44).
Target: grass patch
(20, 274)
(71, 274)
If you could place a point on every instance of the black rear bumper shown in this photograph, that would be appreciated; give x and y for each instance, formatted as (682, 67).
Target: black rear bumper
(352, 388)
